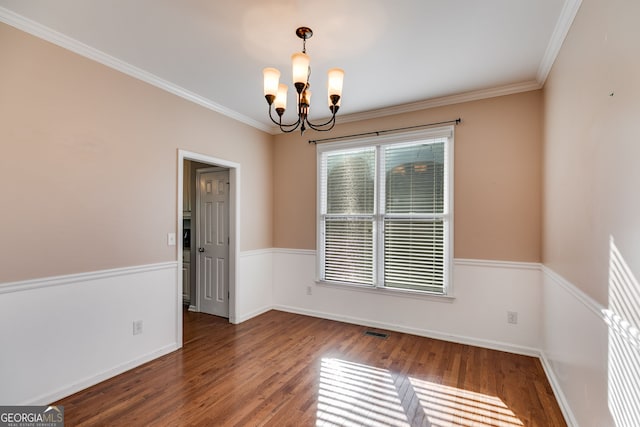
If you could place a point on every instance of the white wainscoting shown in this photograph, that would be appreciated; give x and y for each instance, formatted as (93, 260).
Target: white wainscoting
(586, 367)
(62, 334)
(254, 291)
(484, 291)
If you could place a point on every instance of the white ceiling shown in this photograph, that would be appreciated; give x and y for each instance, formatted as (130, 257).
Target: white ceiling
(397, 55)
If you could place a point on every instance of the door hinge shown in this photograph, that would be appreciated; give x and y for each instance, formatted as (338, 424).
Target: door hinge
(228, 240)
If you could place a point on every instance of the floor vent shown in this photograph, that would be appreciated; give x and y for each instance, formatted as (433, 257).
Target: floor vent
(376, 334)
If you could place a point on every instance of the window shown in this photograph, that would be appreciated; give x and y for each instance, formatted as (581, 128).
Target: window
(385, 211)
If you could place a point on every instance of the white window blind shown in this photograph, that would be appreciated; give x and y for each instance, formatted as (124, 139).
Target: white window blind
(414, 208)
(349, 215)
(385, 212)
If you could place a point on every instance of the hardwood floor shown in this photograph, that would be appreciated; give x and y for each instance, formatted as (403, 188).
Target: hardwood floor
(282, 369)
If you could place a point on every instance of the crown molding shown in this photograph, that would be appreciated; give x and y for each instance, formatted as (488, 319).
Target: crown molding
(563, 24)
(442, 101)
(567, 15)
(66, 42)
(435, 102)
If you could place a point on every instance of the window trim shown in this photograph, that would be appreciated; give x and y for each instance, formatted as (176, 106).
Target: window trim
(446, 132)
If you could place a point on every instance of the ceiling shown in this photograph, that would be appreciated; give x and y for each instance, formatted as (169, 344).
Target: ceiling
(397, 56)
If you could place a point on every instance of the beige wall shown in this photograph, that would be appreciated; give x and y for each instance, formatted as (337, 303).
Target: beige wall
(100, 191)
(497, 177)
(88, 170)
(592, 147)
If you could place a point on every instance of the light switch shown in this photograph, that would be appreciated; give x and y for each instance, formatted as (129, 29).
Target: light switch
(171, 239)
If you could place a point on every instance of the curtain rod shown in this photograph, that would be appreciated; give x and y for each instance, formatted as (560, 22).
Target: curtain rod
(379, 132)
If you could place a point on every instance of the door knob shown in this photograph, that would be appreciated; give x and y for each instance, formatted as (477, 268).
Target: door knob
(200, 249)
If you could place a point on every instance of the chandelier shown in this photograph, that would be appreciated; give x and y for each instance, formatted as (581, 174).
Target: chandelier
(276, 92)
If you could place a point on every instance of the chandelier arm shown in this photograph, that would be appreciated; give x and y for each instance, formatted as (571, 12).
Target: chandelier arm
(283, 125)
(321, 128)
(331, 121)
(271, 116)
(290, 130)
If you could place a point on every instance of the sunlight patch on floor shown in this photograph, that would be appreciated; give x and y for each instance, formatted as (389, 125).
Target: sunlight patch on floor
(450, 406)
(353, 394)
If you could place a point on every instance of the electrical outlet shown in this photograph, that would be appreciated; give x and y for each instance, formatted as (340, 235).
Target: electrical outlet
(137, 327)
(512, 317)
(309, 290)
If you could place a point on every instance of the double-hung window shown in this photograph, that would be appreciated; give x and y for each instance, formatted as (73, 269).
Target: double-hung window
(385, 211)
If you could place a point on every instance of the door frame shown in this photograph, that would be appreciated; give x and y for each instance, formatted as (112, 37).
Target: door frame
(197, 214)
(234, 230)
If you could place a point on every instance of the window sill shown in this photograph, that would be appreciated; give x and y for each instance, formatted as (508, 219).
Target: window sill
(406, 293)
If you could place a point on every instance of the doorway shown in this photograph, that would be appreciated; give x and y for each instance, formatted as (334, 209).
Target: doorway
(233, 171)
(212, 241)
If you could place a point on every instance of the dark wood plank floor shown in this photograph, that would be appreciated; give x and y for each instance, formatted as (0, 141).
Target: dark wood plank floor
(282, 369)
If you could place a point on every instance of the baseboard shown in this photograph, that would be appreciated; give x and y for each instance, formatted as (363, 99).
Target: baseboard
(252, 314)
(192, 308)
(68, 390)
(459, 339)
(557, 391)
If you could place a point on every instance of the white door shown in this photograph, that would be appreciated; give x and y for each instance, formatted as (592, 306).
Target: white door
(212, 267)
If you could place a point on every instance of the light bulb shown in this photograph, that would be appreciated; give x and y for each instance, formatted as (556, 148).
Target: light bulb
(271, 80)
(281, 97)
(300, 68)
(334, 81)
